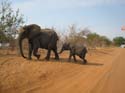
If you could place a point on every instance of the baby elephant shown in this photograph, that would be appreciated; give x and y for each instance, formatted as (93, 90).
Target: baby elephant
(75, 49)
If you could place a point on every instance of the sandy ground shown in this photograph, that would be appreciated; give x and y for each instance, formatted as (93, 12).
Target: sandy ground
(104, 73)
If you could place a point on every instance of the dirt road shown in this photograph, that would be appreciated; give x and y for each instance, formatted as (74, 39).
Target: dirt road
(114, 80)
(104, 73)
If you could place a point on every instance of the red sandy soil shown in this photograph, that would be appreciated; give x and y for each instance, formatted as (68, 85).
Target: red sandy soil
(104, 73)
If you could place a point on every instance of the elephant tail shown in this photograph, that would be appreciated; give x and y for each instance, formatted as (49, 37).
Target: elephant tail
(56, 36)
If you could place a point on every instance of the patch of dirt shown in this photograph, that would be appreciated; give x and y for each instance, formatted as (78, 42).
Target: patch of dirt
(19, 75)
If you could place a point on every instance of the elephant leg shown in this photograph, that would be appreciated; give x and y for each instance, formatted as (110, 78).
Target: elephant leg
(74, 58)
(70, 56)
(35, 53)
(36, 46)
(48, 54)
(85, 61)
(30, 51)
(56, 54)
(83, 58)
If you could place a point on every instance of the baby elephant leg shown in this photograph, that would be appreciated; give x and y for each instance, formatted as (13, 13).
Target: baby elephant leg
(74, 58)
(83, 58)
(84, 61)
(70, 56)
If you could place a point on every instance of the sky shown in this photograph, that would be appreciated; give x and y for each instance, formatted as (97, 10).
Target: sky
(105, 17)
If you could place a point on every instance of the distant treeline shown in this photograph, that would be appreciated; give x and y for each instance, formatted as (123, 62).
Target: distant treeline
(88, 38)
(11, 20)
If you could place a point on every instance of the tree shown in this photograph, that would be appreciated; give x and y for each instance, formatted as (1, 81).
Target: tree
(9, 20)
(96, 40)
(84, 32)
(104, 41)
(86, 37)
(77, 36)
(93, 39)
(72, 34)
(118, 40)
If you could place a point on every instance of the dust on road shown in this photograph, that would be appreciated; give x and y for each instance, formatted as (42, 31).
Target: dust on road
(18, 75)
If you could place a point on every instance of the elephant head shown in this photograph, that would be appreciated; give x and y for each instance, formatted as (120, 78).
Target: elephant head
(29, 32)
(66, 46)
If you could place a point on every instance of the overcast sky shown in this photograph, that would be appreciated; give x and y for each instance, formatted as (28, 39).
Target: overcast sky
(105, 17)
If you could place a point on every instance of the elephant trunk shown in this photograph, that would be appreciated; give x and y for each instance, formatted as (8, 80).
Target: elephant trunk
(66, 46)
(61, 51)
(20, 46)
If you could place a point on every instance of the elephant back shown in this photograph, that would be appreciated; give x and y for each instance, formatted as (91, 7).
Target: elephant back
(32, 27)
(52, 33)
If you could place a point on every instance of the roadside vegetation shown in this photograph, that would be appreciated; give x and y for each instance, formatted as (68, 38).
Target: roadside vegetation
(11, 20)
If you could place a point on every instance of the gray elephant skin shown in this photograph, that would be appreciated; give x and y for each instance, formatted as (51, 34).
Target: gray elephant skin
(75, 49)
(38, 38)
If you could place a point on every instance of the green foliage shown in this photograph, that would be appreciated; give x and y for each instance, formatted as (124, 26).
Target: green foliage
(9, 20)
(118, 41)
(3, 38)
(105, 41)
(95, 40)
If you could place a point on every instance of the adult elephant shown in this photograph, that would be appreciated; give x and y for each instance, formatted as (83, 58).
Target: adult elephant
(38, 38)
